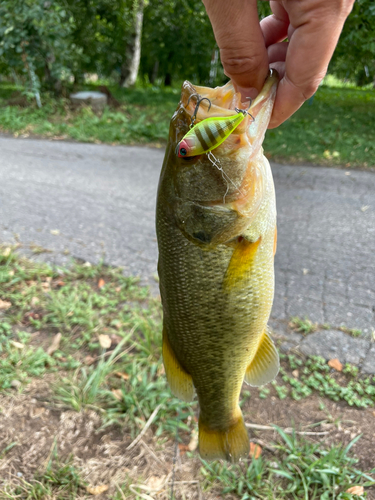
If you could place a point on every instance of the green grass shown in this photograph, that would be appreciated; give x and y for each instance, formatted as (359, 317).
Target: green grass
(298, 469)
(337, 127)
(126, 383)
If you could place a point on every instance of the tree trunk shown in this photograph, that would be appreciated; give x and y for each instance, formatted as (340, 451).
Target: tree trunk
(129, 69)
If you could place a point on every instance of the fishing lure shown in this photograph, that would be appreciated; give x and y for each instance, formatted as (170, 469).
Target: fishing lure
(209, 133)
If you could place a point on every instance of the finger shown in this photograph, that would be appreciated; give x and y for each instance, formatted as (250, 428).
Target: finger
(277, 52)
(275, 27)
(241, 43)
(309, 52)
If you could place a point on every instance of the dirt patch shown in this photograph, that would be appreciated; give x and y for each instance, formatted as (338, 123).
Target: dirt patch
(38, 429)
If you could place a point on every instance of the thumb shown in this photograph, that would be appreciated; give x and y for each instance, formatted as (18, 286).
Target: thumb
(242, 48)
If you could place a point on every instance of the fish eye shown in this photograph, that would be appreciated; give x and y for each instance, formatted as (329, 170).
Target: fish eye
(183, 152)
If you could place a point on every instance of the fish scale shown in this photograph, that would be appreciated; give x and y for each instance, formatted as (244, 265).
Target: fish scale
(217, 281)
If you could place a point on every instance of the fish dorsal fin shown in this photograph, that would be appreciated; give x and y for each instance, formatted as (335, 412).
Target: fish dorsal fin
(265, 365)
(179, 380)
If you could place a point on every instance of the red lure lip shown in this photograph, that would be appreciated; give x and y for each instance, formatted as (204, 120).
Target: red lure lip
(181, 148)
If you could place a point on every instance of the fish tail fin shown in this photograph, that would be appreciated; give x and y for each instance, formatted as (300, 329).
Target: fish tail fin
(180, 382)
(229, 444)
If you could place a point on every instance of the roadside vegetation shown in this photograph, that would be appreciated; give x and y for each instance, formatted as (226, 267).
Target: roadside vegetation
(93, 337)
(336, 127)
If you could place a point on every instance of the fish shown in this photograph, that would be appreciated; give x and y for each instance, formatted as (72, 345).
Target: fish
(216, 233)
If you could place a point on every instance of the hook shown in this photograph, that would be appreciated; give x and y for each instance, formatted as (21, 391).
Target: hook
(246, 111)
(199, 100)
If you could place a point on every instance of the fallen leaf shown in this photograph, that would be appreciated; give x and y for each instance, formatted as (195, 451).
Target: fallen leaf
(60, 283)
(105, 341)
(255, 450)
(335, 364)
(34, 301)
(183, 448)
(97, 490)
(37, 412)
(55, 232)
(116, 339)
(17, 345)
(55, 344)
(356, 490)
(101, 283)
(15, 384)
(89, 360)
(4, 304)
(156, 483)
(193, 445)
(117, 394)
(122, 375)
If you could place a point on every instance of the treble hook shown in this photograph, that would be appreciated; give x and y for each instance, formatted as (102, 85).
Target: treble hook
(199, 100)
(246, 111)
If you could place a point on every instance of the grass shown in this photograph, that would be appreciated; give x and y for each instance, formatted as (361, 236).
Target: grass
(92, 306)
(336, 127)
(298, 470)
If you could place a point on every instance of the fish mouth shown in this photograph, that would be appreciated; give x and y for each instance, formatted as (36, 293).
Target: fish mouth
(205, 102)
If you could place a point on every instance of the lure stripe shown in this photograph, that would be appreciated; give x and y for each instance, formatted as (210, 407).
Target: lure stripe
(221, 131)
(210, 134)
(204, 144)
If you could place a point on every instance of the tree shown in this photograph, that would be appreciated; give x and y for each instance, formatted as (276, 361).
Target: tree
(355, 54)
(35, 42)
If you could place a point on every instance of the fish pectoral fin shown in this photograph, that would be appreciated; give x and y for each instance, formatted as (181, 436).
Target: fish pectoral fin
(265, 365)
(241, 262)
(179, 380)
(228, 444)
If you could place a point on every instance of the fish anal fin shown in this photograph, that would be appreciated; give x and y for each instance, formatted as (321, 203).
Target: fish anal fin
(265, 365)
(230, 444)
(179, 380)
(241, 262)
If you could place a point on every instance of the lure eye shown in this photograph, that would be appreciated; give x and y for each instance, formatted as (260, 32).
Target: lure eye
(183, 152)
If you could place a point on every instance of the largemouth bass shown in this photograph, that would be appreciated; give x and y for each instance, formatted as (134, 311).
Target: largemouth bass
(216, 230)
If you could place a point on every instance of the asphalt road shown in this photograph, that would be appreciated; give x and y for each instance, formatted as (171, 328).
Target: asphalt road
(95, 201)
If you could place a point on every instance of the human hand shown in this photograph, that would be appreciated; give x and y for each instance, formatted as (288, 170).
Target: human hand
(248, 49)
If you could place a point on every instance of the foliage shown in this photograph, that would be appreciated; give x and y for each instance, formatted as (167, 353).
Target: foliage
(355, 53)
(35, 41)
(177, 42)
(300, 469)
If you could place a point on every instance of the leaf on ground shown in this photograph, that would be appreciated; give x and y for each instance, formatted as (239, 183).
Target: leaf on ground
(16, 344)
(89, 360)
(34, 301)
(156, 483)
(117, 394)
(193, 445)
(105, 341)
(116, 339)
(356, 490)
(101, 283)
(55, 344)
(335, 364)
(4, 304)
(122, 375)
(97, 490)
(255, 450)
